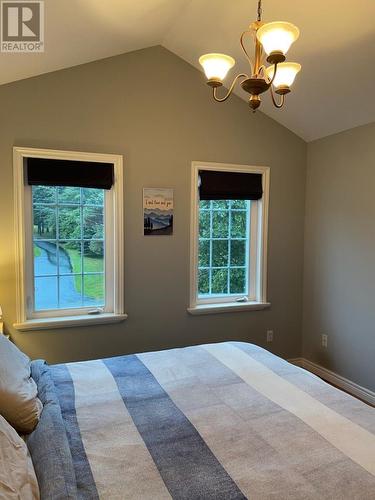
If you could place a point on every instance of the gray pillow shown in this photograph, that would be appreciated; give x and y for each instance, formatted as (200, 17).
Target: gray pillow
(48, 444)
(19, 403)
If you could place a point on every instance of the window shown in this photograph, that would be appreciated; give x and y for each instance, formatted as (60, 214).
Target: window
(228, 239)
(69, 248)
(223, 248)
(69, 239)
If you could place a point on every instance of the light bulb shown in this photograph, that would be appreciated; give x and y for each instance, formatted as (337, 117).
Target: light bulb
(285, 74)
(216, 66)
(277, 36)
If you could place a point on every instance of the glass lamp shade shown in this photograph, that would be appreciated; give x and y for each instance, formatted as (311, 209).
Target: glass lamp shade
(216, 66)
(285, 74)
(277, 36)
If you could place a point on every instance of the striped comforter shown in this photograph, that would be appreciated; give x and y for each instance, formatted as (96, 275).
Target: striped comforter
(218, 421)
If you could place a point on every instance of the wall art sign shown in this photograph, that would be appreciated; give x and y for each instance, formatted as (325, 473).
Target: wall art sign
(158, 211)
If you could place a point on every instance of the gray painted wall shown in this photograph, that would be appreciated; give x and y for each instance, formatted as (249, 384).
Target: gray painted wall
(339, 276)
(155, 109)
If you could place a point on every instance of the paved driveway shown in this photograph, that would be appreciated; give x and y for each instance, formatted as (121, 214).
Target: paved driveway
(47, 295)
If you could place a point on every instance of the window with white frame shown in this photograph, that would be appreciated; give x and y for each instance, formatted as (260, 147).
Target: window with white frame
(69, 248)
(228, 237)
(69, 238)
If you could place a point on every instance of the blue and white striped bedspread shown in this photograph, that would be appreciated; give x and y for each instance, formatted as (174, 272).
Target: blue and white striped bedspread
(218, 421)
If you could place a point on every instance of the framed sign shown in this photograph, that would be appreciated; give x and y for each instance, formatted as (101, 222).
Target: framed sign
(157, 211)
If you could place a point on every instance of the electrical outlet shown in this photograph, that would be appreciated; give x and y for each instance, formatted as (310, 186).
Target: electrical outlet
(325, 341)
(269, 335)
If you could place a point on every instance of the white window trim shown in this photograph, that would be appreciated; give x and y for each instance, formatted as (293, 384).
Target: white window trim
(229, 304)
(66, 319)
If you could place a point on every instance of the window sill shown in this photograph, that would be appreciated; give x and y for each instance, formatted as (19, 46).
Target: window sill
(69, 321)
(227, 307)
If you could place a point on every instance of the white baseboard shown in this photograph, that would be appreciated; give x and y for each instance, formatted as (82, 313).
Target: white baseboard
(337, 380)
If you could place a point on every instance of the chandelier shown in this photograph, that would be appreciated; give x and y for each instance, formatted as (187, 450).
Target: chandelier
(272, 42)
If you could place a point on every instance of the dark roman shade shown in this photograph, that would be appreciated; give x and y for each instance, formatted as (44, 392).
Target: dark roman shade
(219, 185)
(53, 172)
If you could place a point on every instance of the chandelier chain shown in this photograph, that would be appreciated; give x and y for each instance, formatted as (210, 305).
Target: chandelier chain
(259, 10)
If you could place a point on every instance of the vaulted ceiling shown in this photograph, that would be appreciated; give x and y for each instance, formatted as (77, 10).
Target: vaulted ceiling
(333, 92)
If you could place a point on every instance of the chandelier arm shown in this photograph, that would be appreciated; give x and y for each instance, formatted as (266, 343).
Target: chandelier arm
(277, 104)
(244, 49)
(274, 73)
(222, 99)
(262, 70)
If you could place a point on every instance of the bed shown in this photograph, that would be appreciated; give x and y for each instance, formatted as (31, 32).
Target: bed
(217, 421)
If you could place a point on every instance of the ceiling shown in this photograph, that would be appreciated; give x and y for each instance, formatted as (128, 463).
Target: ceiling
(333, 92)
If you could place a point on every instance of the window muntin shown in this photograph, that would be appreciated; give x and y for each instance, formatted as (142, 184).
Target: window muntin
(68, 248)
(223, 248)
